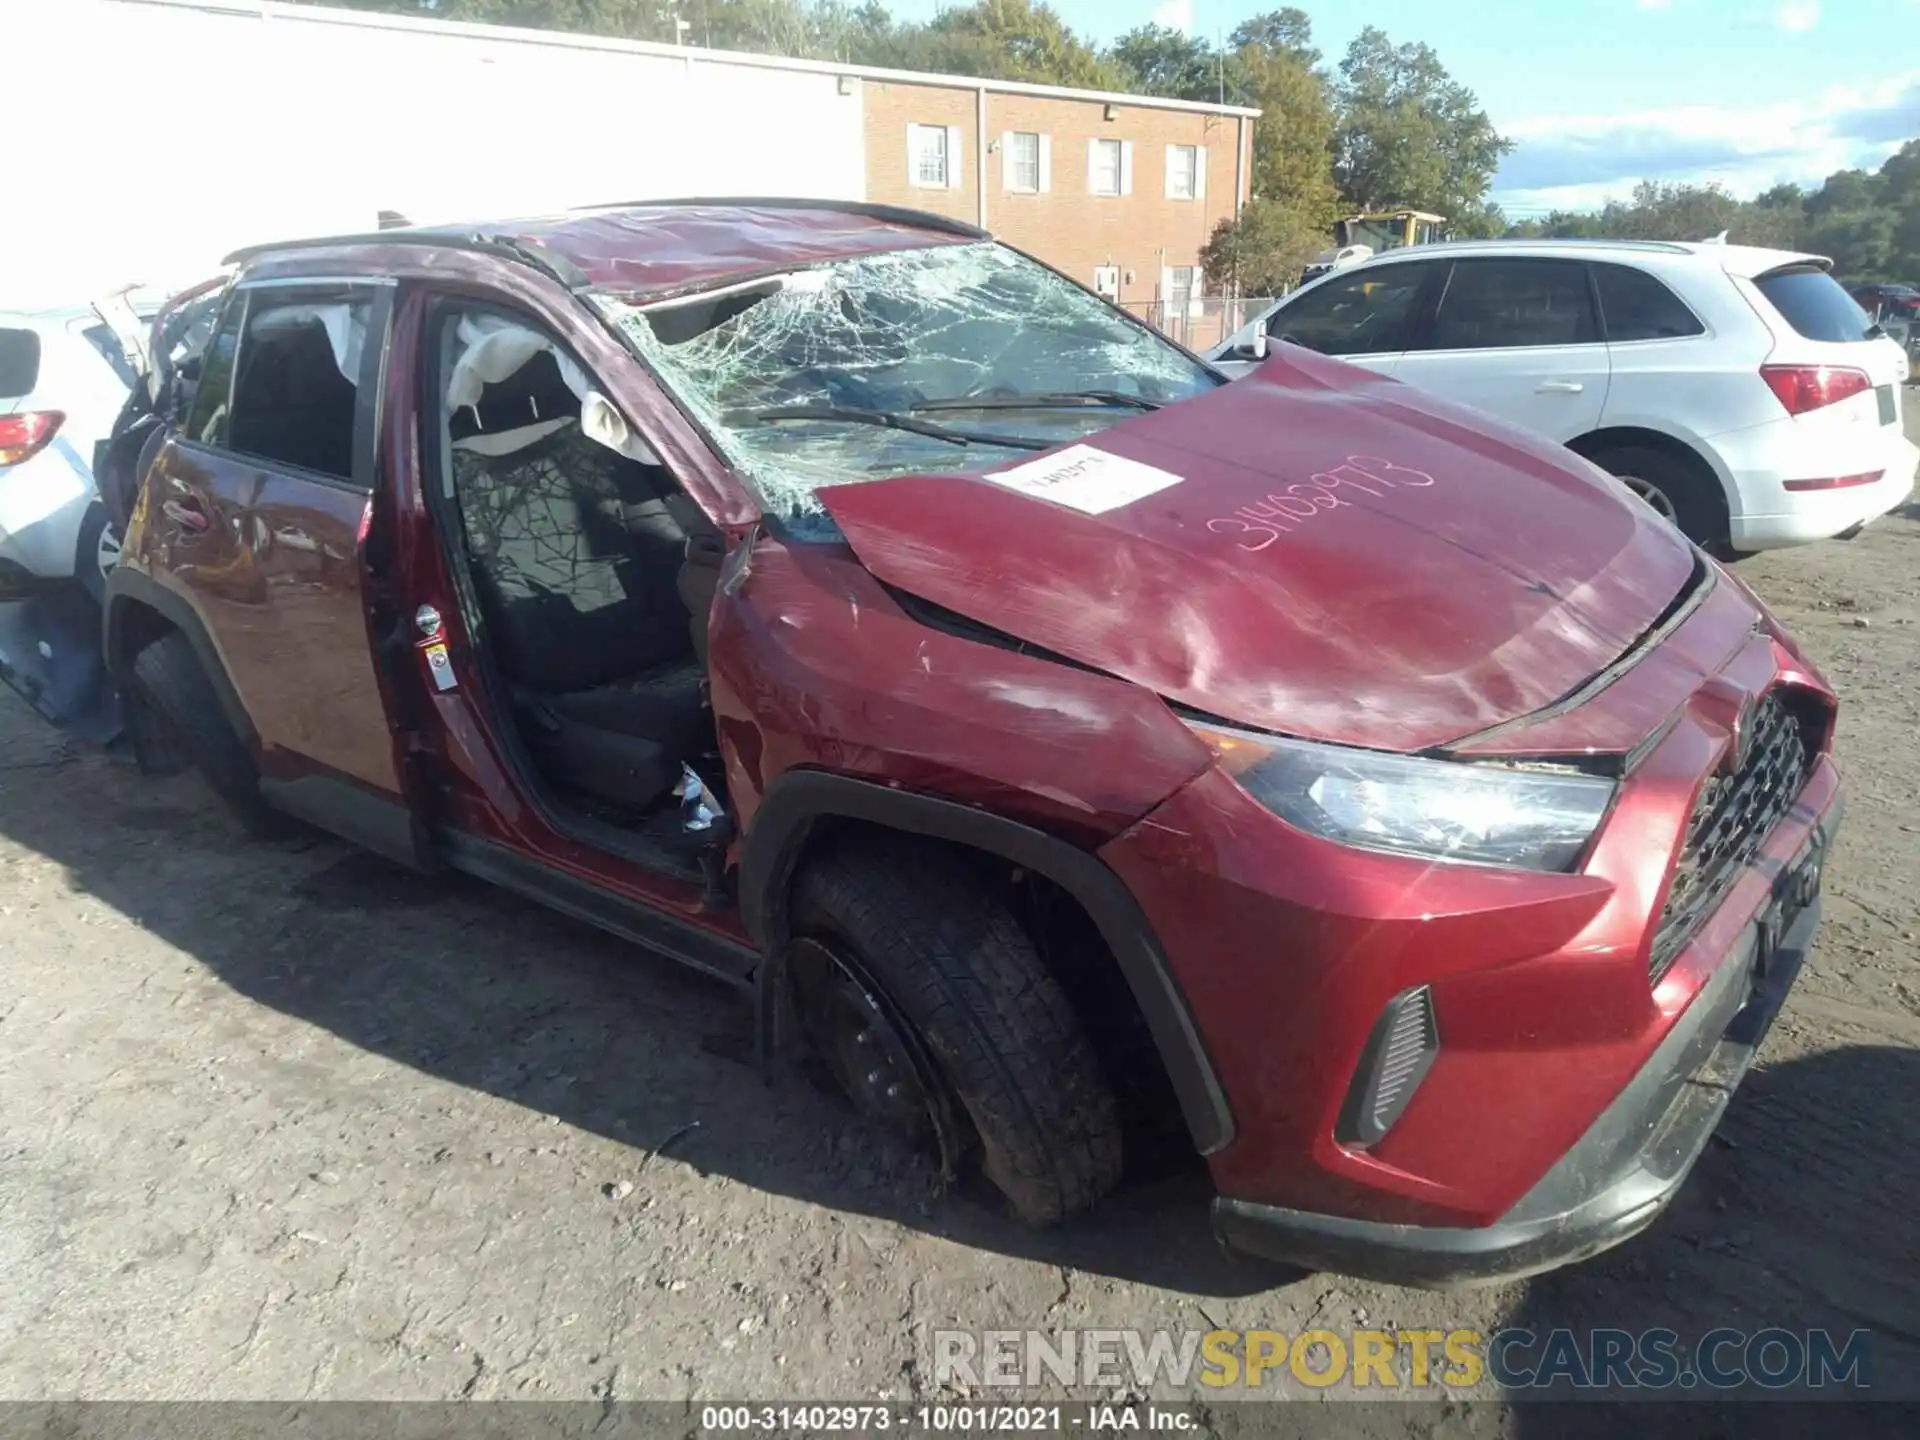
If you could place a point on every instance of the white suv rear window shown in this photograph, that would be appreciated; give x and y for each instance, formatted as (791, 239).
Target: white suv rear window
(1812, 302)
(19, 363)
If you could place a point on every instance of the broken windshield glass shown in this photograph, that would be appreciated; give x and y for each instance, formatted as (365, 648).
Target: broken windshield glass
(815, 377)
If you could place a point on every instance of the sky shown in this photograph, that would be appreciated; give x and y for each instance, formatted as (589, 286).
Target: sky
(1598, 94)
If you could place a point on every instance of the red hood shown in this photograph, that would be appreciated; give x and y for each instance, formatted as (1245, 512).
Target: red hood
(1341, 557)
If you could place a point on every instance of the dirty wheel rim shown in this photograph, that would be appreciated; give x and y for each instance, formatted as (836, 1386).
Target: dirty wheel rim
(1656, 499)
(107, 549)
(871, 1049)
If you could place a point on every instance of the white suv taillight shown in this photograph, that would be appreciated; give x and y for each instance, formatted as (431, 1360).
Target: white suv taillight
(24, 436)
(1812, 387)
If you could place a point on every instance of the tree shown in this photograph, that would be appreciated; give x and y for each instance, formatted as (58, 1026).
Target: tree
(1293, 138)
(1159, 60)
(1410, 134)
(1668, 211)
(851, 33)
(1262, 252)
(1011, 40)
(1483, 220)
(1860, 242)
(1278, 32)
(1845, 190)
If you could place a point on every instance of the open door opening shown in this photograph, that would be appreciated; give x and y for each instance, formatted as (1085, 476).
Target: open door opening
(586, 575)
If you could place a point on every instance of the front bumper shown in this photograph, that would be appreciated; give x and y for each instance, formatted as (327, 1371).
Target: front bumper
(1626, 1168)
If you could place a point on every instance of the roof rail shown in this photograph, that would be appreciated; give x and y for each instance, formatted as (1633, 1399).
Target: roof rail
(1598, 242)
(897, 214)
(506, 247)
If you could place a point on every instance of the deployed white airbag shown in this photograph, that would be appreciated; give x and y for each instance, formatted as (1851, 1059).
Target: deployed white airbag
(345, 324)
(493, 349)
(506, 442)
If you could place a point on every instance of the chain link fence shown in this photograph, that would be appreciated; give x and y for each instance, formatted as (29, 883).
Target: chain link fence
(1200, 324)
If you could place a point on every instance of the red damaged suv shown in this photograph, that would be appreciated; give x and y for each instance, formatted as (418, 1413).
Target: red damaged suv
(1043, 729)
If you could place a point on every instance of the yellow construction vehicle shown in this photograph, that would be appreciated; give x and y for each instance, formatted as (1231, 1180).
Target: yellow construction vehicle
(1391, 229)
(1361, 237)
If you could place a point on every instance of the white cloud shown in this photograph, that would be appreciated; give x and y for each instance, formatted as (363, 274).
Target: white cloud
(1578, 161)
(1661, 4)
(1798, 15)
(1175, 14)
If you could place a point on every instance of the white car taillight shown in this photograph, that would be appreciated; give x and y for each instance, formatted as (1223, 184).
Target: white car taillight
(1813, 387)
(24, 436)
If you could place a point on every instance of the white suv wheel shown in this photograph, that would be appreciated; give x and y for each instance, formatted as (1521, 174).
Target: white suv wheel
(1657, 500)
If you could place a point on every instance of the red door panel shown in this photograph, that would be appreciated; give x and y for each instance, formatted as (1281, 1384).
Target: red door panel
(271, 563)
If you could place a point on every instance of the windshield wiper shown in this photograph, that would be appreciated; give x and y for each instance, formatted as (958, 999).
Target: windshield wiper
(1041, 400)
(854, 415)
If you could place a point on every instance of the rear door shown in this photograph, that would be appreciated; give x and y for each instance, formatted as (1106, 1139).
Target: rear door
(257, 510)
(1518, 338)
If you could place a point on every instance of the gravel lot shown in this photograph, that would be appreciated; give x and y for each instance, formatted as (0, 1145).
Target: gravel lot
(283, 1122)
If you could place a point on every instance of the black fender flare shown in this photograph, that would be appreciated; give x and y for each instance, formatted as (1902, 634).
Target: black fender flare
(126, 588)
(795, 801)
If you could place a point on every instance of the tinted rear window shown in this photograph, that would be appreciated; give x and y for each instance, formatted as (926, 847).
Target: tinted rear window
(1812, 302)
(19, 362)
(1639, 307)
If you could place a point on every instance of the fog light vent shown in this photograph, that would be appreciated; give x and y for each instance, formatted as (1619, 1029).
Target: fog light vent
(1398, 1055)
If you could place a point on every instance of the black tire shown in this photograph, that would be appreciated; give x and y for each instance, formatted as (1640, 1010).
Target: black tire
(1699, 507)
(175, 690)
(956, 964)
(86, 552)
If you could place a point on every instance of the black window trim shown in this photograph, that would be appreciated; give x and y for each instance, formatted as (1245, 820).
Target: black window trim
(1430, 310)
(367, 400)
(1705, 332)
(234, 301)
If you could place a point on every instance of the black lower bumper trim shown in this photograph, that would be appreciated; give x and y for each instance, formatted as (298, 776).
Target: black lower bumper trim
(1617, 1178)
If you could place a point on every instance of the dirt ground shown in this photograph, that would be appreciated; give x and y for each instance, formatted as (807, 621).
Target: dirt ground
(282, 1122)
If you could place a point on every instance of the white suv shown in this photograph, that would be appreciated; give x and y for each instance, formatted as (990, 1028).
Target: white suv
(64, 374)
(1740, 391)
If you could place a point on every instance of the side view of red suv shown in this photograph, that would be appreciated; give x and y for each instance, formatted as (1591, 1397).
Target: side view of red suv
(1046, 730)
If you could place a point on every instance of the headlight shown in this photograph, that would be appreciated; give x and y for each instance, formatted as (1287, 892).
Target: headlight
(1451, 810)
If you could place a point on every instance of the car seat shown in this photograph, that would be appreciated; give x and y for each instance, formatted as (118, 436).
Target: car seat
(292, 402)
(577, 554)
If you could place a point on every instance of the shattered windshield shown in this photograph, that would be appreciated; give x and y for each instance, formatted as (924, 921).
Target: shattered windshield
(957, 357)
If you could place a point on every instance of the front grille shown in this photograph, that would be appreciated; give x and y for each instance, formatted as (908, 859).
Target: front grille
(1734, 815)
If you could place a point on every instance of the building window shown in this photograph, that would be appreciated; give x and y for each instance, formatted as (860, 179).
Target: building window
(932, 158)
(1186, 172)
(1183, 165)
(1106, 165)
(1023, 161)
(1179, 289)
(1106, 281)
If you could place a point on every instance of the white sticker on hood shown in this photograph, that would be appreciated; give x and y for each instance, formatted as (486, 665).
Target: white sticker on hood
(1085, 479)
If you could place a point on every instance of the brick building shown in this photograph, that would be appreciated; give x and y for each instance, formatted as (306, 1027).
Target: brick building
(458, 121)
(1119, 191)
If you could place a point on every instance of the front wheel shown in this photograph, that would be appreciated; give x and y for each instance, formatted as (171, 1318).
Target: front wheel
(935, 1012)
